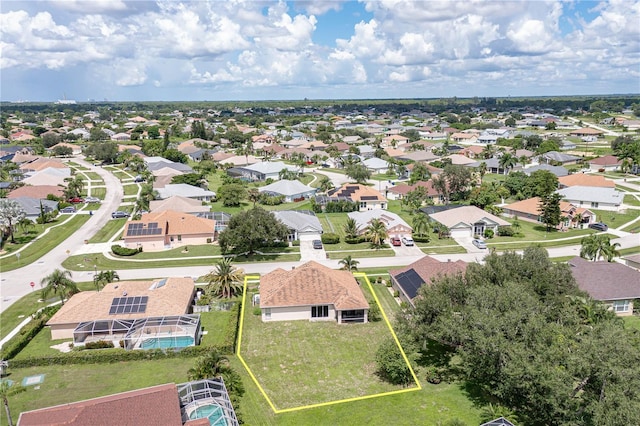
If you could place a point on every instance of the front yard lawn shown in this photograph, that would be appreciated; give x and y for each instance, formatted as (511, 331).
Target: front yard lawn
(615, 219)
(630, 200)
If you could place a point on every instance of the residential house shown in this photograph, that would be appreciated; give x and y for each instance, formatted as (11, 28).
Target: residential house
(168, 229)
(555, 157)
(559, 171)
(632, 261)
(376, 165)
(185, 190)
(178, 203)
(417, 156)
(606, 163)
(467, 221)
(366, 197)
(409, 279)
(166, 297)
(459, 160)
(42, 163)
(301, 223)
(33, 207)
(166, 404)
(312, 292)
(292, 190)
(464, 138)
(75, 149)
(398, 192)
(613, 283)
(261, 171)
(593, 197)
(586, 132)
(156, 163)
(529, 210)
(582, 179)
(39, 192)
(394, 224)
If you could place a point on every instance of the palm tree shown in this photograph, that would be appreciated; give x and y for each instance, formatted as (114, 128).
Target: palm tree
(225, 279)
(209, 366)
(349, 264)
(421, 224)
(488, 151)
(597, 246)
(105, 277)
(578, 219)
(507, 162)
(58, 282)
(482, 169)
(7, 390)
(325, 184)
(253, 195)
(350, 228)
(441, 186)
(376, 233)
(147, 194)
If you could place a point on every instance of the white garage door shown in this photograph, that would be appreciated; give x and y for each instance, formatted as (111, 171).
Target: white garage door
(460, 233)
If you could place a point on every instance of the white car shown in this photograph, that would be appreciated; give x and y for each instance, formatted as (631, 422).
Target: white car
(92, 200)
(407, 241)
(479, 243)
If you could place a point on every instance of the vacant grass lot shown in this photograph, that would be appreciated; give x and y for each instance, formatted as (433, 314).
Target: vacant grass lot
(615, 219)
(98, 192)
(631, 200)
(131, 189)
(108, 231)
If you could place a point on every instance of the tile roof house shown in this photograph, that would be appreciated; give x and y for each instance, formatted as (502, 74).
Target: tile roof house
(613, 283)
(467, 221)
(586, 131)
(593, 197)
(167, 404)
(40, 191)
(292, 190)
(186, 190)
(559, 171)
(395, 225)
(366, 197)
(178, 203)
(42, 163)
(48, 176)
(582, 179)
(376, 165)
(529, 210)
(409, 279)
(168, 229)
(170, 296)
(397, 192)
(632, 261)
(261, 171)
(312, 292)
(607, 162)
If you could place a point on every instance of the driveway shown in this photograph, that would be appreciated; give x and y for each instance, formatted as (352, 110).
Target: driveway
(466, 242)
(307, 252)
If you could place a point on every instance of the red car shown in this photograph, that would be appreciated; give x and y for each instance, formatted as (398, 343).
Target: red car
(76, 200)
(396, 241)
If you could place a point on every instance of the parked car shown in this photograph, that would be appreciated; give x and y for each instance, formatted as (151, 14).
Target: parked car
(599, 226)
(119, 214)
(138, 179)
(395, 241)
(317, 244)
(92, 200)
(68, 209)
(76, 200)
(479, 243)
(407, 241)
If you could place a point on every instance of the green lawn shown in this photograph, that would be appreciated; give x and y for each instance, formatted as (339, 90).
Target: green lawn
(631, 200)
(99, 192)
(360, 253)
(615, 219)
(538, 232)
(43, 245)
(131, 189)
(625, 188)
(632, 322)
(92, 176)
(108, 231)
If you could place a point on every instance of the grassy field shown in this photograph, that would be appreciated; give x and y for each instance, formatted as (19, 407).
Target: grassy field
(538, 232)
(99, 192)
(615, 219)
(108, 231)
(631, 200)
(45, 244)
(360, 253)
(632, 322)
(131, 189)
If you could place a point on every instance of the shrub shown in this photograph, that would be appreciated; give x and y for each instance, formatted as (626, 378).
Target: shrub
(389, 283)
(506, 231)
(209, 240)
(374, 314)
(257, 311)
(295, 243)
(355, 240)
(433, 375)
(329, 238)
(396, 293)
(488, 233)
(124, 251)
(391, 365)
(100, 344)
(27, 333)
(421, 238)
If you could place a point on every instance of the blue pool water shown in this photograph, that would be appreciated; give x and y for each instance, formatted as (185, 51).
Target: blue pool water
(167, 342)
(213, 412)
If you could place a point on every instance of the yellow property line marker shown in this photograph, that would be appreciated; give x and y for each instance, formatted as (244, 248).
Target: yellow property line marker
(340, 401)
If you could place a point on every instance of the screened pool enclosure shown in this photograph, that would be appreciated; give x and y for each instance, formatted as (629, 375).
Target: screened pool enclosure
(167, 332)
(207, 399)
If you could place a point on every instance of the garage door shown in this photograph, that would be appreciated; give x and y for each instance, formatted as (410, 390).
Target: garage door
(460, 232)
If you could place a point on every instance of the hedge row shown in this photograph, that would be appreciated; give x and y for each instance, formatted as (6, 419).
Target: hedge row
(124, 251)
(421, 238)
(109, 356)
(357, 240)
(330, 238)
(231, 331)
(27, 333)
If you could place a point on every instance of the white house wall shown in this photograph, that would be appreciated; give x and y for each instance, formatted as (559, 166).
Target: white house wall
(293, 313)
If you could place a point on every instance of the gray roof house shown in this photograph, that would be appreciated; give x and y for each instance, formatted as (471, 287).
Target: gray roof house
(559, 157)
(613, 283)
(291, 189)
(299, 222)
(261, 171)
(185, 190)
(556, 170)
(593, 197)
(376, 165)
(157, 163)
(31, 206)
(467, 221)
(395, 225)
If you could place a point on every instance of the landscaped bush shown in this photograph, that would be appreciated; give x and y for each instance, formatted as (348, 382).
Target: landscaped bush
(357, 240)
(100, 344)
(329, 238)
(231, 331)
(374, 314)
(124, 251)
(342, 206)
(488, 233)
(421, 238)
(257, 311)
(277, 244)
(271, 200)
(295, 243)
(27, 333)
(433, 375)
(396, 293)
(506, 231)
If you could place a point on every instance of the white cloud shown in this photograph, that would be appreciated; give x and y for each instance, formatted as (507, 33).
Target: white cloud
(90, 6)
(531, 36)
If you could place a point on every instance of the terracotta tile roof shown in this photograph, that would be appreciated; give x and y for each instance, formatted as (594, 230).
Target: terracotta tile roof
(532, 206)
(43, 163)
(606, 280)
(607, 160)
(586, 131)
(356, 192)
(311, 284)
(173, 298)
(40, 191)
(157, 405)
(429, 269)
(176, 223)
(403, 188)
(582, 179)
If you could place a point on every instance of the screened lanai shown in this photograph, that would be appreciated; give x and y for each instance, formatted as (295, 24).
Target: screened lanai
(207, 399)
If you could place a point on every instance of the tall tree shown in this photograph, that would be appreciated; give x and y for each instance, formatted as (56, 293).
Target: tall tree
(58, 282)
(597, 246)
(105, 277)
(251, 229)
(441, 186)
(350, 228)
(419, 173)
(225, 280)
(325, 184)
(349, 264)
(507, 162)
(376, 232)
(11, 213)
(359, 173)
(421, 224)
(550, 210)
(8, 389)
(231, 194)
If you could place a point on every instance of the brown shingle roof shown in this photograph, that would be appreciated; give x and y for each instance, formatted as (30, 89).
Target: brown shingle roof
(40, 191)
(157, 405)
(311, 284)
(176, 223)
(429, 269)
(173, 298)
(581, 179)
(606, 280)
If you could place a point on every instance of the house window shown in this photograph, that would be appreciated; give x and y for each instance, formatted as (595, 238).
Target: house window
(179, 237)
(620, 306)
(267, 313)
(363, 204)
(594, 204)
(320, 311)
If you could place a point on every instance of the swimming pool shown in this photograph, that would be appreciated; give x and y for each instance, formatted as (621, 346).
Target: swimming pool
(211, 411)
(167, 342)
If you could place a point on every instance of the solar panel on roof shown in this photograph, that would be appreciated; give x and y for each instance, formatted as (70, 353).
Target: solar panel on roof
(128, 305)
(410, 282)
(368, 197)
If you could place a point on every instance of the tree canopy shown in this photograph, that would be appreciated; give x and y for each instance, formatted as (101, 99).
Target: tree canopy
(251, 229)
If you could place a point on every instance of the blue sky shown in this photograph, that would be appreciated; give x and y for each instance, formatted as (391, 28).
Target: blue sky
(125, 50)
